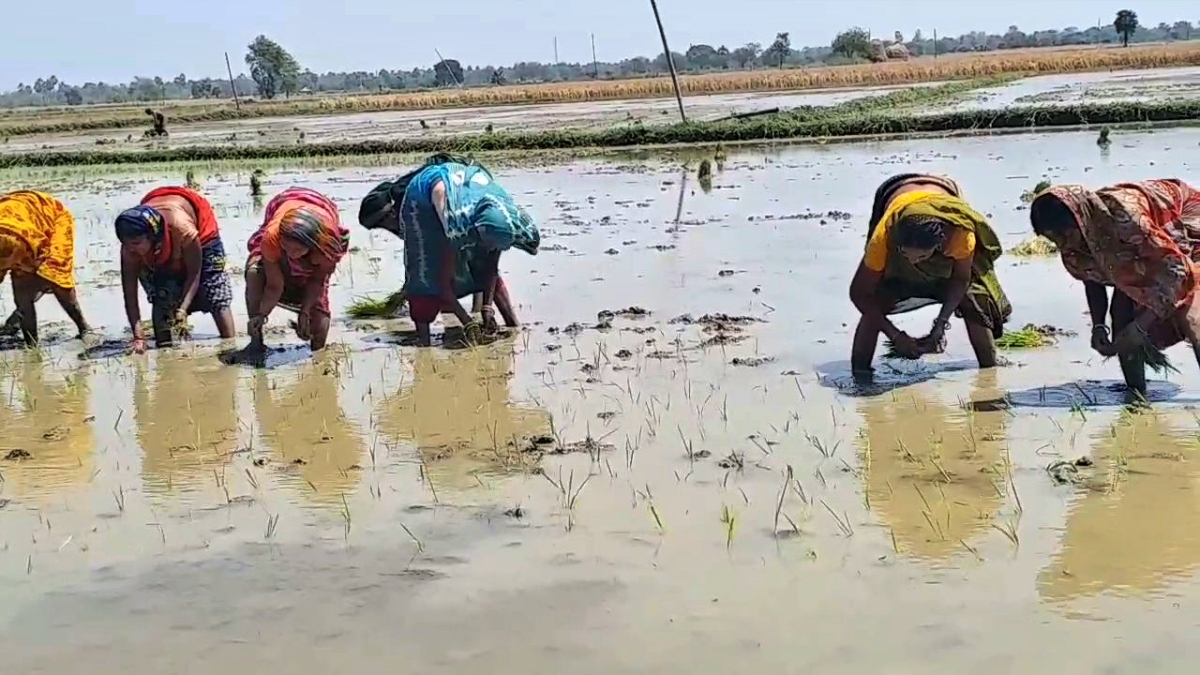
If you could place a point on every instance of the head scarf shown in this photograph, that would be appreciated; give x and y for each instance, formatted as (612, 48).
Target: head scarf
(374, 212)
(141, 221)
(306, 225)
(378, 208)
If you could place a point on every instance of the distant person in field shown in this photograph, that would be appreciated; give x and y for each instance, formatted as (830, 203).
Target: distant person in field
(456, 221)
(1142, 239)
(293, 255)
(926, 246)
(171, 246)
(159, 122)
(37, 248)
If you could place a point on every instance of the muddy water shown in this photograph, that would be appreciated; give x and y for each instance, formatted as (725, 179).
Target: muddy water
(382, 505)
(1079, 88)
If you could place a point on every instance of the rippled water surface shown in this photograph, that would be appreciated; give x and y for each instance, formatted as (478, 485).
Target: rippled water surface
(610, 494)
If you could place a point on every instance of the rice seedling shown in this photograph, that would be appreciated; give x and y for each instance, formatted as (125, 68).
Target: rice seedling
(856, 119)
(1033, 247)
(1043, 185)
(1156, 360)
(377, 308)
(1029, 337)
(947, 68)
(256, 188)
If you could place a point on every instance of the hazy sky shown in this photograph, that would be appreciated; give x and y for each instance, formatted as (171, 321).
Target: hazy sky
(114, 40)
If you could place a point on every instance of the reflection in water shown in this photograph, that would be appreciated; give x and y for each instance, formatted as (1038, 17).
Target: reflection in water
(49, 426)
(1133, 529)
(934, 473)
(302, 424)
(186, 420)
(458, 414)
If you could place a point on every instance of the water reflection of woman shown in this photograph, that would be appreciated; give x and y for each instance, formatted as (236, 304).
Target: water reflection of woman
(934, 473)
(186, 419)
(304, 428)
(1133, 529)
(52, 423)
(458, 414)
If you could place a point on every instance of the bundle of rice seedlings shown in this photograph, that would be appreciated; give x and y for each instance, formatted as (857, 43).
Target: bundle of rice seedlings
(1034, 246)
(1156, 360)
(377, 308)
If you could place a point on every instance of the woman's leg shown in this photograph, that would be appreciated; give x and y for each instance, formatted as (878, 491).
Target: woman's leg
(224, 319)
(319, 326)
(68, 299)
(1123, 312)
(25, 292)
(12, 325)
(983, 342)
(866, 339)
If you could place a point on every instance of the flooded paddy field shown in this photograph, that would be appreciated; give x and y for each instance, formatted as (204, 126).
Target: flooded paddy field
(618, 487)
(426, 123)
(1129, 86)
(1119, 86)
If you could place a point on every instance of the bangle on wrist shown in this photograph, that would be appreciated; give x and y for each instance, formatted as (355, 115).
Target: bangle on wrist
(1099, 326)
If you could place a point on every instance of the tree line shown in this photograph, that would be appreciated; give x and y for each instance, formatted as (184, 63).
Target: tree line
(274, 72)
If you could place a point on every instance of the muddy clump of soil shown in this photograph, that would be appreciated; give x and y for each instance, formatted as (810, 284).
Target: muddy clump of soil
(722, 329)
(752, 361)
(718, 322)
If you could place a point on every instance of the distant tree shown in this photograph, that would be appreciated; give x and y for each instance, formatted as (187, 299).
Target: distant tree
(498, 78)
(72, 95)
(447, 72)
(272, 68)
(180, 80)
(917, 36)
(853, 43)
(746, 55)
(1126, 24)
(898, 38)
(779, 49)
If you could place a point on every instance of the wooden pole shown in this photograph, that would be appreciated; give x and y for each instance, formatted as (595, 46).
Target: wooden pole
(232, 87)
(935, 43)
(670, 61)
(595, 63)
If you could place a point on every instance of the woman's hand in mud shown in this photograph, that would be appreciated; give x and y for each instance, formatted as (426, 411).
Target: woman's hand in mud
(90, 338)
(138, 346)
(473, 331)
(1101, 342)
(304, 326)
(906, 345)
(934, 343)
(490, 327)
(255, 326)
(1129, 340)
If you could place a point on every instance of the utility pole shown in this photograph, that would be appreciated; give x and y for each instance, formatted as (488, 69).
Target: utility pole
(670, 61)
(595, 63)
(448, 69)
(556, 61)
(935, 44)
(232, 87)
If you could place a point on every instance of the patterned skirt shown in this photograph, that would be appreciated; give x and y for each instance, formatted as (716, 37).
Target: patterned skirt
(165, 287)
